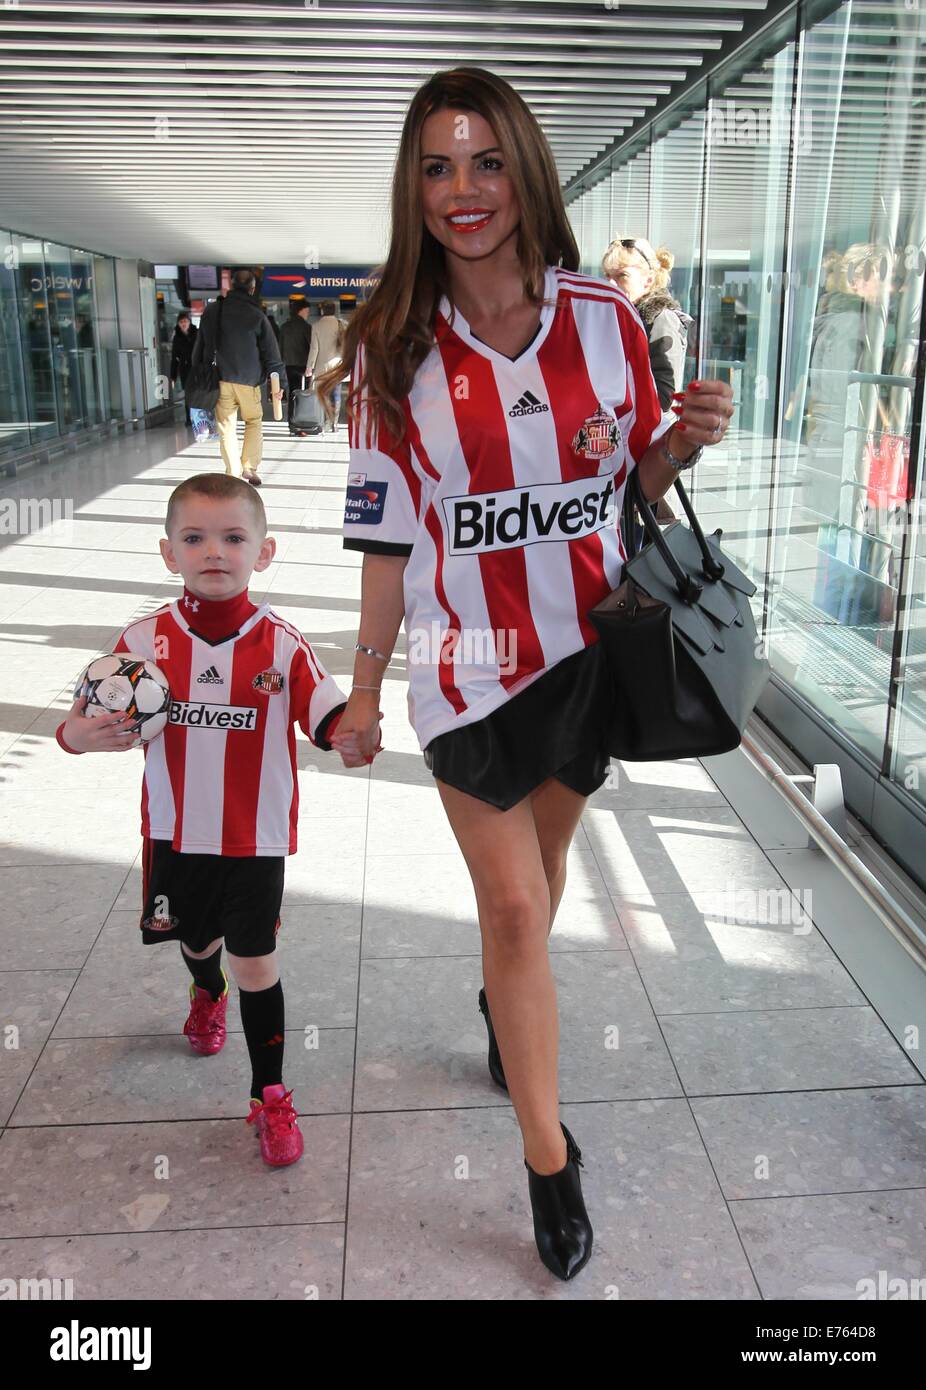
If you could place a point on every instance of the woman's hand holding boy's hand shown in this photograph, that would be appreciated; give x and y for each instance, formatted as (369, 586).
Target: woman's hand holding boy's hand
(107, 733)
(358, 737)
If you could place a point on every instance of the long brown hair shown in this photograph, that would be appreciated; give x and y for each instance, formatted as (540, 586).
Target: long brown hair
(396, 324)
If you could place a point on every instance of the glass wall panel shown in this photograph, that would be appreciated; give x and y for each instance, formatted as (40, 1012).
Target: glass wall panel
(59, 340)
(35, 338)
(746, 200)
(630, 189)
(60, 297)
(596, 227)
(86, 342)
(859, 230)
(155, 385)
(908, 764)
(677, 162)
(14, 415)
(106, 336)
(794, 201)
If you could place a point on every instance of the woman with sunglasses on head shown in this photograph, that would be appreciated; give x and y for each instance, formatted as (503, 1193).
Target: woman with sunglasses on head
(643, 274)
(498, 401)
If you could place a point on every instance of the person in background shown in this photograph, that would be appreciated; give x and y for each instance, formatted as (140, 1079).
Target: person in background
(643, 274)
(295, 342)
(324, 356)
(838, 434)
(181, 354)
(265, 308)
(246, 353)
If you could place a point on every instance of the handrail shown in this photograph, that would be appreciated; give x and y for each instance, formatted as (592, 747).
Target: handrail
(882, 379)
(898, 922)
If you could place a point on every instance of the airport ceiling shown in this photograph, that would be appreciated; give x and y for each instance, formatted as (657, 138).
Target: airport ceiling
(255, 133)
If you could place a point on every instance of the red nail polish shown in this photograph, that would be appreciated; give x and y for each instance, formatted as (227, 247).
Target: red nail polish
(678, 395)
(695, 386)
(681, 427)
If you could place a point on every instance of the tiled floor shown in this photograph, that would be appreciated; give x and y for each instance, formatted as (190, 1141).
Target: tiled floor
(751, 1128)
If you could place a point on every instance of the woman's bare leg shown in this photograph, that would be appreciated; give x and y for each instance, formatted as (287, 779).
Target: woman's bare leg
(557, 812)
(503, 855)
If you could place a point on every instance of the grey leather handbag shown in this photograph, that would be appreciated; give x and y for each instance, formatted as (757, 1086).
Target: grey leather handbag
(680, 642)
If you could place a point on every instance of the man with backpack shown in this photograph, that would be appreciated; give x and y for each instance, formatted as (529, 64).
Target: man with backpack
(238, 332)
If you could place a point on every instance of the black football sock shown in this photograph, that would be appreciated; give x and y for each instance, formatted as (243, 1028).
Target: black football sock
(207, 973)
(262, 1020)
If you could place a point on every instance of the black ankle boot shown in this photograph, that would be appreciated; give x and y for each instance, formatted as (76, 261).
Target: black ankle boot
(561, 1225)
(496, 1070)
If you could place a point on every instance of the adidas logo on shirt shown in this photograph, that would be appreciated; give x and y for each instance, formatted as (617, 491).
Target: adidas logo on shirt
(210, 677)
(528, 405)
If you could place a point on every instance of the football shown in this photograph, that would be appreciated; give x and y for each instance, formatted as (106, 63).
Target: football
(129, 683)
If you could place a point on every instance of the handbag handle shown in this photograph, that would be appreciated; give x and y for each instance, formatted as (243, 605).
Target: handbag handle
(711, 568)
(689, 590)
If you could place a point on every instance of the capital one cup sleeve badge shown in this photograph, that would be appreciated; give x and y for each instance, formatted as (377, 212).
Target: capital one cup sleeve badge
(598, 437)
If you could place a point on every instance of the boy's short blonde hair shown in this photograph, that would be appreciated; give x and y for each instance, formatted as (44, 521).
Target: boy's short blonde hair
(218, 487)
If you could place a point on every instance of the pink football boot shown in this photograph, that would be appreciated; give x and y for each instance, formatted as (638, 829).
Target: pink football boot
(275, 1118)
(205, 1026)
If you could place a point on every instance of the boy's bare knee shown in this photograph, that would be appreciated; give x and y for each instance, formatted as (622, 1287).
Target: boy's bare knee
(255, 972)
(201, 955)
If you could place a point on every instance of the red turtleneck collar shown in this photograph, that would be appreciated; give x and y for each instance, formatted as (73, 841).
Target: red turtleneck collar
(216, 619)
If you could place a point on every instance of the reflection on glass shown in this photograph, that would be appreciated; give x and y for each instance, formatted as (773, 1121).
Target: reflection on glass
(596, 228)
(909, 755)
(56, 336)
(800, 171)
(749, 159)
(857, 283)
(677, 158)
(14, 419)
(35, 338)
(60, 295)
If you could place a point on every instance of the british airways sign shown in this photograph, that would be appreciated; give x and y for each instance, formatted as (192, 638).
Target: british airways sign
(280, 280)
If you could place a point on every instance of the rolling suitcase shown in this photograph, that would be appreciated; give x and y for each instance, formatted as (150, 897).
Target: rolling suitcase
(203, 422)
(305, 412)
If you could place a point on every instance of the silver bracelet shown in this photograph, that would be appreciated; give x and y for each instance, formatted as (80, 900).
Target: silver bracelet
(377, 688)
(680, 465)
(369, 651)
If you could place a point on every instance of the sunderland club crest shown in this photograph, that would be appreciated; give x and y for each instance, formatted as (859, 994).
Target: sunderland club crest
(270, 680)
(598, 437)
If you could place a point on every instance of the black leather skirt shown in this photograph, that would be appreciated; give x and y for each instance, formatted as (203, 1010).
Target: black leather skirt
(554, 728)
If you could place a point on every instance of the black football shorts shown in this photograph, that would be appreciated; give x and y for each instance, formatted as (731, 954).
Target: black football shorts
(195, 898)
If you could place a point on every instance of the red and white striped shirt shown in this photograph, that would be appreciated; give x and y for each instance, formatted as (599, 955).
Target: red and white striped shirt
(505, 495)
(222, 777)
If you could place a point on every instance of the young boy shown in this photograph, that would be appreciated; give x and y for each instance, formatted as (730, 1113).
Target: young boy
(220, 793)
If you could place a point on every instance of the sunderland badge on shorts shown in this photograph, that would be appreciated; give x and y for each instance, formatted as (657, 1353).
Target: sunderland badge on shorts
(598, 437)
